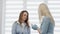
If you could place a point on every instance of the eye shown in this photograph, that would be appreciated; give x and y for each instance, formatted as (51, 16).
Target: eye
(24, 14)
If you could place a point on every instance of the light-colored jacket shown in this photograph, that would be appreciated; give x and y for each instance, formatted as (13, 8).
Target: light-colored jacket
(47, 27)
(17, 29)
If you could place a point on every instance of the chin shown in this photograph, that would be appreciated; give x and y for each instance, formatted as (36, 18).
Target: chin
(24, 19)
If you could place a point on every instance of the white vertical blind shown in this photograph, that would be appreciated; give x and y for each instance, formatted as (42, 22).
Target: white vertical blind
(13, 8)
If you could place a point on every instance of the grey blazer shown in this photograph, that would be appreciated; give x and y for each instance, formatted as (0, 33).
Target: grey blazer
(47, 27)
(17, 29)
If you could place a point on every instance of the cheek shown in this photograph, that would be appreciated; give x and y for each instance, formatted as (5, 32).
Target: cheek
(24, 17)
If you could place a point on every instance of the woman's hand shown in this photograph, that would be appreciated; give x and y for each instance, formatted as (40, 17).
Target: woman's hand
(38, 29)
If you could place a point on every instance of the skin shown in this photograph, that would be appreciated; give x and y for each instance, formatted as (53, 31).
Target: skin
(38, 30)
(24, 16)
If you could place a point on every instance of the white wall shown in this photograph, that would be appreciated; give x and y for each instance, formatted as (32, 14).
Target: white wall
(14, 7)
(0, 16)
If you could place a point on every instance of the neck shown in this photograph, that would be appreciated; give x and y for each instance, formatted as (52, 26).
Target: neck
(22, 21)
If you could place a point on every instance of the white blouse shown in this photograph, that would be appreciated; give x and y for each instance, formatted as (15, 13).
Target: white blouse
(23, 25)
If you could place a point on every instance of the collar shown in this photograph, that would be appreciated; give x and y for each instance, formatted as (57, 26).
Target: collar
(18, 22)
(22, 23)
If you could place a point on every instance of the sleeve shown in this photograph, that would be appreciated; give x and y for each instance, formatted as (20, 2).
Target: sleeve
(34, 27)
(51, 28)
(14, 28)
(45, 25)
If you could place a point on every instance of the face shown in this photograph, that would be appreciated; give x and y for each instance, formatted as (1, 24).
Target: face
(24, 16)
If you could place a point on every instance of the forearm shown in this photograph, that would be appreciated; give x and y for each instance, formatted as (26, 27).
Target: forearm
(39, 30)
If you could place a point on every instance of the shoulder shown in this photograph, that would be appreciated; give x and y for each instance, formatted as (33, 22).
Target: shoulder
(46, 17)
(15, 23)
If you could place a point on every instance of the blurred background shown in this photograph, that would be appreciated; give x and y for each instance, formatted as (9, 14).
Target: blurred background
(10, 9)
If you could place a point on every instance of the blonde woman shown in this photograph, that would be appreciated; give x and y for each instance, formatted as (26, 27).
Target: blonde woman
(46, 20)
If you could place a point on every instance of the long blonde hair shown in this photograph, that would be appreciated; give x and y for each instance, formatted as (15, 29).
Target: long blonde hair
(44, 11)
